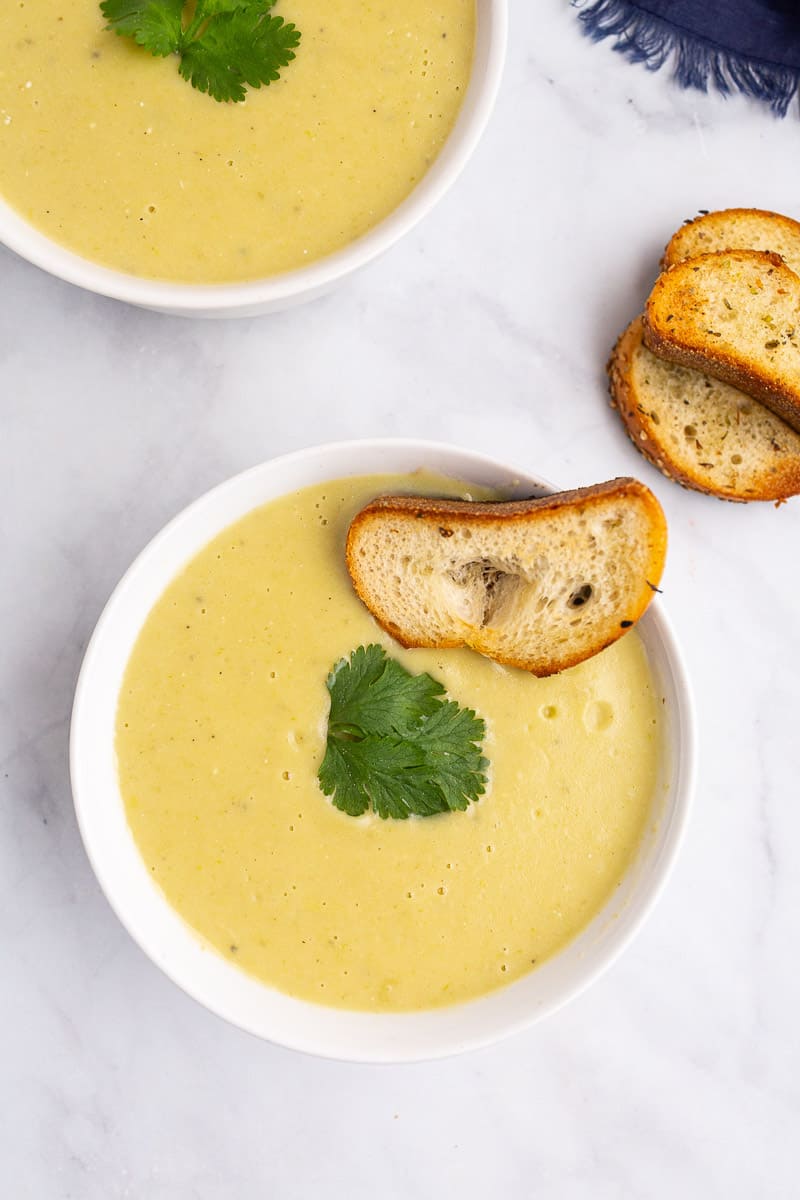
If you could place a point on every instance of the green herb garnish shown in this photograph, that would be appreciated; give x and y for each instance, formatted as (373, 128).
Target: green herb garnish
(395, 745)
(223, 46)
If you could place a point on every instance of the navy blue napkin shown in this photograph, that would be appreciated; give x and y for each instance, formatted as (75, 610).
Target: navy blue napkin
(751, 46)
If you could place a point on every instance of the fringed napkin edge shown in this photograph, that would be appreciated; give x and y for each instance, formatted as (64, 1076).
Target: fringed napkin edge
(645, 38)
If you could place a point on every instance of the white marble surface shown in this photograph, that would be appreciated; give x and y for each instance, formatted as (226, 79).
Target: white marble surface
(677, 1074)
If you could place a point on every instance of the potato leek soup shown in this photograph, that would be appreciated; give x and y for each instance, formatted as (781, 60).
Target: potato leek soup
(221, 730)
(108, 151)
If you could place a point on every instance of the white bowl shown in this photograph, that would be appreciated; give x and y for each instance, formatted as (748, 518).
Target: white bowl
(292, 287)
(210, 978)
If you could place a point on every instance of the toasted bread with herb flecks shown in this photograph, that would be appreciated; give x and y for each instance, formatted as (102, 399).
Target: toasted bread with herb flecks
(699, 431)
(734, 315)
(736, 229)
(537, 584)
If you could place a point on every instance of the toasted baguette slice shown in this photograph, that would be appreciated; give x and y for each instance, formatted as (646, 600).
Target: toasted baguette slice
(699, 431)
(736, 229)
(537, 584)
(734, 315)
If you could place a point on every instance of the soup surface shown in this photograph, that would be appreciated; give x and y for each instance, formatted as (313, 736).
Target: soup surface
(108, 151)
(220, 732)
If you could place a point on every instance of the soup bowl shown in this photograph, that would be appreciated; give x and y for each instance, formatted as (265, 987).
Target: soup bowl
(292, 287)
(201, 971)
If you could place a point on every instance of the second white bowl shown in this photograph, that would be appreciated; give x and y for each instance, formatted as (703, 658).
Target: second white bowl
(293, 287)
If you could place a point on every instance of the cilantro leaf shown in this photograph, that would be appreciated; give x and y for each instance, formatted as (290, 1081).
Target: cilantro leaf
(154, 24)
(360, 774)
(451, 741)
(394, 745)
(225, 46)
(212, 7)
(376, 695)
(242, 46)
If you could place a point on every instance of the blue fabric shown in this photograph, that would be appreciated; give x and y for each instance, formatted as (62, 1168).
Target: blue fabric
(752, 46)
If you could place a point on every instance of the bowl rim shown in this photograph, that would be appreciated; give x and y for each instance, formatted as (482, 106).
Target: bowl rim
(283, 289)
(363, 1037)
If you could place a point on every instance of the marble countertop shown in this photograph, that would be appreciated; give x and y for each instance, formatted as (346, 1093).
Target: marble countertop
(676, 1074)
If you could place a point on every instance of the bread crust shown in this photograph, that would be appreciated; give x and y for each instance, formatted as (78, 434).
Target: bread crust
(435, 511)
(625, 400)
(675, 251)
(643, 433)
(674, 341)
(484, 511)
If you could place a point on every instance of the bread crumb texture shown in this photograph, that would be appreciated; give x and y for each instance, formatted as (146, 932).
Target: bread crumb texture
(701, 431)
(736, 316)
(736, 229)
(539, 584)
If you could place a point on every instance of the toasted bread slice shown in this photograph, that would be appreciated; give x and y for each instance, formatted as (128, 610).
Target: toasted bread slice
(537, 584)
(699, 431)
(736, 229)
(734, 315)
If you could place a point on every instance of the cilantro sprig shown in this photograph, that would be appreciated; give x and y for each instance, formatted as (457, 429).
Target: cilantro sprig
(225, 46)
(395, 745)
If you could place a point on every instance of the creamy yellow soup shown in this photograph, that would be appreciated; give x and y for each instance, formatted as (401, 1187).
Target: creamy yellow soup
(108, 151)
(220, 732)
